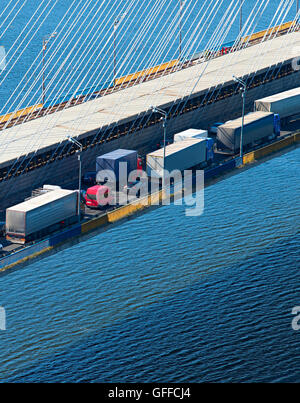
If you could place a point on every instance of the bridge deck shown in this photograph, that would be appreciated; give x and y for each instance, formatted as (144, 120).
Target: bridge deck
(43, 133)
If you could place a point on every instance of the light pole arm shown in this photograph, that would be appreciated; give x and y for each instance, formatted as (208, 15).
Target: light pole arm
(76, 142)
(240, 81)
(162, 112)
(79, 145)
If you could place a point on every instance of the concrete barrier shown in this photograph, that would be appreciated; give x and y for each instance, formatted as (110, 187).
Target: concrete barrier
(93, 224)
(148, 72)
(132, 208)
(269, 149)
(248, 158)
(268, 32)
(125, 211)
(210, 173)
(65, 235)
(20, 113)
(24, 255)
(297, 137)
(273, 147)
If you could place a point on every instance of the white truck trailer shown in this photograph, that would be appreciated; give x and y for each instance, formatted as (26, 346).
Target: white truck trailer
(40, 215)
(181, 155)
(190, 133)
(285, 103)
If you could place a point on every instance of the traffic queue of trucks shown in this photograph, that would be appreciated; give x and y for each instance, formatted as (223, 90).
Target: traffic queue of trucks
(269, 111)
(53, 208)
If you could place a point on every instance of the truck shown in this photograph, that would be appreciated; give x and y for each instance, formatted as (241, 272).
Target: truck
(258, 127)
(185, 154)
(190, 133)
(96, 193)
(41, 215)
(285, 104)
(110, 162)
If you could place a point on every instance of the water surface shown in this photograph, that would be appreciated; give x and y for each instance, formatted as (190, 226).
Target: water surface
(165, 297)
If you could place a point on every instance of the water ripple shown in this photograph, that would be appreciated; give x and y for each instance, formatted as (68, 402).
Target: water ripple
(168, 297)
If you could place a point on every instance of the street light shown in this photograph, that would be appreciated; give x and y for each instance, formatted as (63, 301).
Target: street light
(181, 4)
(79, 145)
(45, 41)
(244, 89)
(165, 116)
(116, 24)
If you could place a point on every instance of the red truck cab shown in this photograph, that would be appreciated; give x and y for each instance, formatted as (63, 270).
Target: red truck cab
(96, 194)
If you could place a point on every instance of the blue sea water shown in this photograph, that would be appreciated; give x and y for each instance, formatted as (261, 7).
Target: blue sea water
(165, 297)
(80, 57)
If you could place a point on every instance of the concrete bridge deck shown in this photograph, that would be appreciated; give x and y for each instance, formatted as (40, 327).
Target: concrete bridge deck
(42, 134)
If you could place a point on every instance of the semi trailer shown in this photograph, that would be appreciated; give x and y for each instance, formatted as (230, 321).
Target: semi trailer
(41, 215)
(111, 161)
(180, 155)
(286, 104)
(190, 133)
(258, 126)
(198, 134)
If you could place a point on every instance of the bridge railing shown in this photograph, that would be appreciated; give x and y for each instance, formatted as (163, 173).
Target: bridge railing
(69, 99)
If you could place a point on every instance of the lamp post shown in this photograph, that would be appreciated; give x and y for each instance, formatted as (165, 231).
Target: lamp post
(297, 6)
(79, 145)
(165, 116)
(243, 89)
(181, 3)
(116, 24)
(45, 41)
